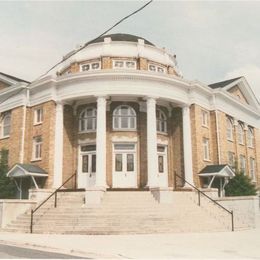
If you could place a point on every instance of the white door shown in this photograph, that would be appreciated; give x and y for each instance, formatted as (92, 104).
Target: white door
(124, 166)
(162, 166)
(87, 166)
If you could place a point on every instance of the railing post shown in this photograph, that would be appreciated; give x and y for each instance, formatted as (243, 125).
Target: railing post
(55, 200)
(232, 220)
(31, 226)
(199, 197)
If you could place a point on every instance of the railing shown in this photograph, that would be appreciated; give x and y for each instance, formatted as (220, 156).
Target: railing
(55, 198)
(215, 202)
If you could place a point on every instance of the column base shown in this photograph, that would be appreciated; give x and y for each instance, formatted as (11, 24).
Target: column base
(163, 195)
(94, 196)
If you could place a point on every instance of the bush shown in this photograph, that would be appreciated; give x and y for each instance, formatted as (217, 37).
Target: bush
(7, 186)
(240, 185)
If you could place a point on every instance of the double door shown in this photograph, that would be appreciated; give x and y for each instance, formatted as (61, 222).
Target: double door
(124, 165)
(87, 166)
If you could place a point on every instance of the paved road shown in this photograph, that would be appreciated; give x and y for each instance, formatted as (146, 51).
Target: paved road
(7, 252)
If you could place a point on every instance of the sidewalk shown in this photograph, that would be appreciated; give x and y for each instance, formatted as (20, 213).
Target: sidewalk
(225, 245)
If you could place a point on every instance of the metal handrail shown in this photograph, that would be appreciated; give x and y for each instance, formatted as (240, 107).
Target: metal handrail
(215, 202)
(55, 200)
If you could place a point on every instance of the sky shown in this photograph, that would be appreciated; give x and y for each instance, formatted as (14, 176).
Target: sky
(213, 41)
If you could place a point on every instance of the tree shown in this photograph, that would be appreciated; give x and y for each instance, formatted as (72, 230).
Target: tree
(240, 185)
(7, 187)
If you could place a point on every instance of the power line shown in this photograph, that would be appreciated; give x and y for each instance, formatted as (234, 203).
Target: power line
(86, 44)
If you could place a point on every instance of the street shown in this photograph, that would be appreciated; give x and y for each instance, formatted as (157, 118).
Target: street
(9, 252)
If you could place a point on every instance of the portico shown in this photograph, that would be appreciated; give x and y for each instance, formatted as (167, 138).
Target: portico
(123, 142)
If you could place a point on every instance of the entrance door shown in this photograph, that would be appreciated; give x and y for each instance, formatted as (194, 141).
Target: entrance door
(162, 165)
(124, 165)
(87, 166)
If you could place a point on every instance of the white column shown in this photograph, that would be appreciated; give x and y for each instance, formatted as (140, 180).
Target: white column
(101, 142)
(187, 145)
(152, 160)
(58, 146)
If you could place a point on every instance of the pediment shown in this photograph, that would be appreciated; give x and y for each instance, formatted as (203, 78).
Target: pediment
(241, 91)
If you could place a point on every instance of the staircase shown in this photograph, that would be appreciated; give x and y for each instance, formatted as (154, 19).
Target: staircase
(124, 212)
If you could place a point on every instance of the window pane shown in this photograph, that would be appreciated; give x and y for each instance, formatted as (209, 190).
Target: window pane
(85, 67)
(124, 146)
(160, 163)
(118, 162)
(87, 148)
(160, 148)
(93, 165)
(152, 67)
(132, 122)
(124, 111)
(85, 163)
(116, 121)
(95, 65)
(130, 162)
(124, 122)
(130, 64)
(89, 124)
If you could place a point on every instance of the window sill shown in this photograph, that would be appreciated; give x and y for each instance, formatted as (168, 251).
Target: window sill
(205, 126)
(36, 160)
(5, 137)
(231, 140)
(162, 133)
(251, 147)
(124, 130)
(87, 132)
(242, 144)
(39, 123)
(206, 160)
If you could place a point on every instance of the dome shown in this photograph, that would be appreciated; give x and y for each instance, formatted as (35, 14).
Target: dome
(120, 37)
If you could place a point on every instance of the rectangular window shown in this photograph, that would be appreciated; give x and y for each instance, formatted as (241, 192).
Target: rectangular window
(130, 162)
(119, 162)
(156, 68)
(250, 137)
(242, 160)
(37, 148)
(93, 165)
(90, 66)
(231, 159)
(124, 64)
(85, 163)
(160, 164)
(206, 148)
(204, 118)
(252, 169)
(38, 116)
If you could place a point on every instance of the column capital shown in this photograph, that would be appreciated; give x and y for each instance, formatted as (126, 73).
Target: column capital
(101, 97)
(147, 98)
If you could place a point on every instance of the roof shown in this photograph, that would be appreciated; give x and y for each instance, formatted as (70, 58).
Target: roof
(23, 170)
(14, 78)
(222, 84)
(220, 170)
(120, 37)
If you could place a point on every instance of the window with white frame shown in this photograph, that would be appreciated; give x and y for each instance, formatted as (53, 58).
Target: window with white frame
(204, 118)
(124, 64)
(240, 133)
(6, 124)
(252, 169)
(95, 65)
(156, 68)
(242, 160)
(161, 121)
(205, 143)
(250, 137)
(231, 159)
(38, 116)
(124, 118)
(88, 120)
(229, 129)
(37, 148)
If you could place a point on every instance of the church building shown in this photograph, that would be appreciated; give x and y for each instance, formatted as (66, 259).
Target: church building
(119, 115)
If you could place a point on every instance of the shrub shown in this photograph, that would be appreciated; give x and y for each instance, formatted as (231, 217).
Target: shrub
(240, 185)
(7, 186)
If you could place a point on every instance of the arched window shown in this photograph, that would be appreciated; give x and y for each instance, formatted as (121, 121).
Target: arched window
(124, 118)
(6, 124)
(88, 120)
(229, 129)
(240, 133)
(250, 137)
(161, 121)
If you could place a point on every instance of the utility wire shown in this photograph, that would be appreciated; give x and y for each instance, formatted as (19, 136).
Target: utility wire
(86, 44)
